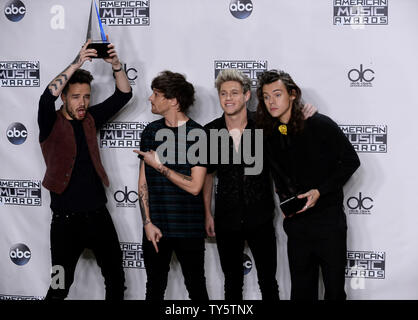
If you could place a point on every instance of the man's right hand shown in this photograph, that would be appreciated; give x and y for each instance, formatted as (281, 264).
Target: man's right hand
(153, 234)
(59, 82)
(84, 55)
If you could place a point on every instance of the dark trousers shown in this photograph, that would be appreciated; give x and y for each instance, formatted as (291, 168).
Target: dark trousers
(262, 243)
(71, 233)
(313, 245)
(190, 253)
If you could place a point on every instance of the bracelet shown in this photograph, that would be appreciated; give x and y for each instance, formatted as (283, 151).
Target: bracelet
(117, 70)
(146, 222)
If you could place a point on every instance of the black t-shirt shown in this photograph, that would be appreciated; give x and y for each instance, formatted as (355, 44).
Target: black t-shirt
(85, 190)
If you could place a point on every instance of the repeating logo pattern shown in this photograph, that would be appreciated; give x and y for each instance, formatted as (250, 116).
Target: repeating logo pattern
(125, 13)
(365, 264)
(241, 9)
(364, 12)
(121, 134)
(361, 77)
(251, 68)
(15, 10)
(125, 198)
(367, 138)
(16, 133)
(359, 204)
(20, 254)
(19, 74)
(132, 255)
(20, 192)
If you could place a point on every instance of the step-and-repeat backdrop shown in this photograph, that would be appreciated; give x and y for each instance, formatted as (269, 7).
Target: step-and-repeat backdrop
(354, 59)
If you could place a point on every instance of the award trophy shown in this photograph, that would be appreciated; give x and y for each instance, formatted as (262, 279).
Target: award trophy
(96, 33)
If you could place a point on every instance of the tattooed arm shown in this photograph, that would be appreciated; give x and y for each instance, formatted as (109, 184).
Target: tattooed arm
(58, 83)
(152, 232)
(143, 195)
(192, 184)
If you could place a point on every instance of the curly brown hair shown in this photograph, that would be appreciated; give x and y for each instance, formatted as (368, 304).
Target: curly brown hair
(263, 118)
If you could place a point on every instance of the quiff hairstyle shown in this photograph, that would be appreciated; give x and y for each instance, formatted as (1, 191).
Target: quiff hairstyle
(233, 75)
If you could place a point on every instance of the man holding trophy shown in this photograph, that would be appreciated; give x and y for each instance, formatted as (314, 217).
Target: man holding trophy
(74, 172)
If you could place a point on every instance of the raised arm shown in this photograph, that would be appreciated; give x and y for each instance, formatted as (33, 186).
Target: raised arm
(121, 78)
(58, 83)
(105, 110)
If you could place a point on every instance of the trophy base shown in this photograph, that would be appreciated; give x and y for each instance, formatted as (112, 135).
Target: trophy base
(101, 48)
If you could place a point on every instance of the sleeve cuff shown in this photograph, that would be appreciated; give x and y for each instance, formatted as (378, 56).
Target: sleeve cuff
(47, 95)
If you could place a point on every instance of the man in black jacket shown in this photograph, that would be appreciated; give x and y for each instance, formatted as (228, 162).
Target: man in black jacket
(312, 159)
(75, 175)
(244, 203)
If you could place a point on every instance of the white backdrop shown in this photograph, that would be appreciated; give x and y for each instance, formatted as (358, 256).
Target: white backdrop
(363, 75)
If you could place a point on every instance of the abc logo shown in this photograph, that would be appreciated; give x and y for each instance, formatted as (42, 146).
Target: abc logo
(15, 10)
(125, 196)
(247, 264)
(361, 75)
(16, 133)
(241, 9)
(360, 202)
(20, 254)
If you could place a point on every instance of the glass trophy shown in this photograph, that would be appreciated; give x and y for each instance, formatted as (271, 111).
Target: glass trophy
(96, 32)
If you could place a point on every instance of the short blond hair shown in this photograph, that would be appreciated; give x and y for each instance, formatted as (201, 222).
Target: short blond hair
(233, 75)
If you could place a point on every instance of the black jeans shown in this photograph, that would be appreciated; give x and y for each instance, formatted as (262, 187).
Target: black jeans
(262, 243)
(190, 253)
(313, 244)
(71, 233)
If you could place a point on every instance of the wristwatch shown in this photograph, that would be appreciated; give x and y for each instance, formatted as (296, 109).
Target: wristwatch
(117, 70)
